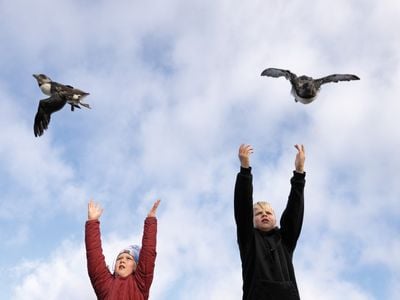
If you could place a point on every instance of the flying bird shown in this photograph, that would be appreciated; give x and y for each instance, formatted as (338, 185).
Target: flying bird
(49, 88)
(60, 95)
(305, 89)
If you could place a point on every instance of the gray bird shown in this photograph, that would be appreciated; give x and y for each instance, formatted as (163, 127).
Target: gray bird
(74, 96)
(305, 89)
(46, 107)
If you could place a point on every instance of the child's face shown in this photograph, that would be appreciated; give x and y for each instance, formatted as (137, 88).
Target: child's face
(125, 265)
(264, 217)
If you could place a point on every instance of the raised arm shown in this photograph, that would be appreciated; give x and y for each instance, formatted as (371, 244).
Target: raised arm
(243, 197)
(97, 268)
(145, 270)
(292, 217)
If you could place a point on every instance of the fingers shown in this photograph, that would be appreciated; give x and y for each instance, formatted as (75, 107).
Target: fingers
(244, 155)
(245, 149)
(94, 210)
(153, 210)
(91, 204)
(155, 205)
(300, 148)
(300, 158)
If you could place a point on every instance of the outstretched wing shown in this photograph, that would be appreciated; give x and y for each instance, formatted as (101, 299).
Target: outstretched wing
(45, 109)
(273, 72)
(337, 78)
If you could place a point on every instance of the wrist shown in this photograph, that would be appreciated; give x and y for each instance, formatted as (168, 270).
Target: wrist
(92, 220)
(245, 164)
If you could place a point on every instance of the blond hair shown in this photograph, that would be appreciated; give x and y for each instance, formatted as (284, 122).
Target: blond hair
(262, 205)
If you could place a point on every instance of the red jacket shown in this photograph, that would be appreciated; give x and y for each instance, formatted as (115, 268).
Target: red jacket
(105, 284)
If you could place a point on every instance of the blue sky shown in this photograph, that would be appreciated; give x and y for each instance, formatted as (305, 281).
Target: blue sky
(175, 88)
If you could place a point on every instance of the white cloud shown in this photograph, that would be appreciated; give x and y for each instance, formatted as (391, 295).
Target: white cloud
(61, 276)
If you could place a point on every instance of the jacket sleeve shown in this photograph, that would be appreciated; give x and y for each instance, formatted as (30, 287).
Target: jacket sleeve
(145, 269)
(292, 217)
(243, 206)
(100, 276)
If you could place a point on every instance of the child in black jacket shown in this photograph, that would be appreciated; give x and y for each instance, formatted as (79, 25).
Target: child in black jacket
(266, 251)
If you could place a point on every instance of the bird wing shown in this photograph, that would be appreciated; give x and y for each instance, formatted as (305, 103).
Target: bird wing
(337, 78)
(45, 108)
(80, 92)
(58, 87)
(67, 89)
(273, 72)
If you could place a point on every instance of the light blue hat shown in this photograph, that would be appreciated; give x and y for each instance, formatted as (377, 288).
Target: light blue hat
(133, 250)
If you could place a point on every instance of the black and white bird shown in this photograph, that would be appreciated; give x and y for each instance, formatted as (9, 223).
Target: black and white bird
(59, 96)
(305, 89)
(49, 88)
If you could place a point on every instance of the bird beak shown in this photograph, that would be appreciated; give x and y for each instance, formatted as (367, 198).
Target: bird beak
(35, 75)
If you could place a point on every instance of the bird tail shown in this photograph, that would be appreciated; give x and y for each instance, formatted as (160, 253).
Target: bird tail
(85, 105)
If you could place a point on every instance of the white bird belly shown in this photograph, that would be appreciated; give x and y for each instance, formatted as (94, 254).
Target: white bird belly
(45, 88)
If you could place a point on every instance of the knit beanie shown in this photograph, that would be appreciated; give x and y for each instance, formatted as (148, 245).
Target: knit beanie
(133, 250)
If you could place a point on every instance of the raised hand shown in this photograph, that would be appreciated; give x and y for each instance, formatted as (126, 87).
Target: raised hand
(300, 158)
(94, 210)
(244, 155)
(153, 210)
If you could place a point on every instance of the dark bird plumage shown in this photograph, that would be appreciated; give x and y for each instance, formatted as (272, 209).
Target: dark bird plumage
(304, 88)
(45, 109)
(60, 95)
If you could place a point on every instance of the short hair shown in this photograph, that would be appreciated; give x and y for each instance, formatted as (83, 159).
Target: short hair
(262, 204)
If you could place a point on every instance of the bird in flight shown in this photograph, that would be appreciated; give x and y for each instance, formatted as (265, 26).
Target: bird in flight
(304, 88)
(60, 95)
(49, 87)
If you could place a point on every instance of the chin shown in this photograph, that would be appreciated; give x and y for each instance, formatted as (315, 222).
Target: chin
(123, 275)
(266, 228)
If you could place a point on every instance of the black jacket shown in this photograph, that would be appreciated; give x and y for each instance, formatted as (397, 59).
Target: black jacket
(267, 267)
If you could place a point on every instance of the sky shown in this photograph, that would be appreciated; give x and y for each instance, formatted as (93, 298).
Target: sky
(175, 88)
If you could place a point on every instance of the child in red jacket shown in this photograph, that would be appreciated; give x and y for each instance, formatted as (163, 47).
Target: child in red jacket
(134, 267)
